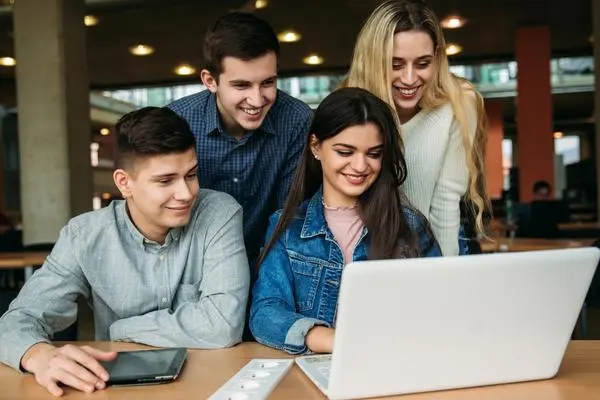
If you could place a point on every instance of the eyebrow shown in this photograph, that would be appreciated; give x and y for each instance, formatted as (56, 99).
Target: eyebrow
(421, 58)
(350, 147)
(172, 175)
(244, 82)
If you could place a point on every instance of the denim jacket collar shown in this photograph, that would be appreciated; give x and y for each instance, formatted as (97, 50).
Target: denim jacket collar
(314, 222)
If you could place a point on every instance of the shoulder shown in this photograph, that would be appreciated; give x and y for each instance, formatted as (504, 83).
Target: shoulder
(215, 204)
(94, 223)
(295, 223)
(289, 110)
(415, 220)
(193, 102)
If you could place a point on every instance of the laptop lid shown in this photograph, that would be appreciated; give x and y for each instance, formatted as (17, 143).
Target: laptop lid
(416, 325)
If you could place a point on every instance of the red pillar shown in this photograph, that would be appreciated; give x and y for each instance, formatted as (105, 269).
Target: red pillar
(534, 109)
(493, 156)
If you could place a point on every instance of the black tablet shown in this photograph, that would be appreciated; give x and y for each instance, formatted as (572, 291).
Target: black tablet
(145, 366)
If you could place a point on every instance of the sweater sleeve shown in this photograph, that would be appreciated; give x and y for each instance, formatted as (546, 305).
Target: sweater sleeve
(451, 185)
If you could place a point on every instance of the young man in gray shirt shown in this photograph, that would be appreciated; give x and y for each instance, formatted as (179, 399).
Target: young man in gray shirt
(164, 267)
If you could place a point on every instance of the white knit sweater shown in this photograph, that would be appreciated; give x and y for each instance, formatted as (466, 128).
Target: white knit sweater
(437, 171)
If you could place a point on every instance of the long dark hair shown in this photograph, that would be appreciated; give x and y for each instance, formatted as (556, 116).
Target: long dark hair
(380, 206)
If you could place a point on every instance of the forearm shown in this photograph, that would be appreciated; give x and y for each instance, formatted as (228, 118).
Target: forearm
(273, 325)
(214, 322)
(320, 339)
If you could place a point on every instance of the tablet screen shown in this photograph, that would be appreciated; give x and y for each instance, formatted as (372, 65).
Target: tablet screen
(145, 364)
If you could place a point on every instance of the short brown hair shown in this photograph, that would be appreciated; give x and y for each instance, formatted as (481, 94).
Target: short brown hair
(240, 35)
(151, 131)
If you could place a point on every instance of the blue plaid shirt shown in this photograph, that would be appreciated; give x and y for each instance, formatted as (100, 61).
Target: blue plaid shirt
(257, 170)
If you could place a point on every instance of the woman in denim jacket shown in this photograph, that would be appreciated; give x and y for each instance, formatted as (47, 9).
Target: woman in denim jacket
(344, 206)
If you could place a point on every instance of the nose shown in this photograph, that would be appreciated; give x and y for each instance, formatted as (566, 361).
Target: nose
(409, 76)
(359, 163)
(255, 97)
(183, 191)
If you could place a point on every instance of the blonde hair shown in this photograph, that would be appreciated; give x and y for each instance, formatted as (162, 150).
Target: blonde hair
(371, 69)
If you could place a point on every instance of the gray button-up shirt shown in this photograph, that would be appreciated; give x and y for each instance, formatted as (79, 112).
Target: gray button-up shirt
(190, 291)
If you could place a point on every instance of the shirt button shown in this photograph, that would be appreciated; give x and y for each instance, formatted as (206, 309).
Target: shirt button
(235, 180)
(161, 257)
(163, 300)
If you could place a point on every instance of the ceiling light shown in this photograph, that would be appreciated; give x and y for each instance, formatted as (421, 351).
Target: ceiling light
(8, 61)
(141, 50)
(258, 4)
(289, 36)
(185, 69)
(105, 131)
(106, 196)
(90, 20)
(313, 59)
(558, 135)
(452, 49)
(453, 22)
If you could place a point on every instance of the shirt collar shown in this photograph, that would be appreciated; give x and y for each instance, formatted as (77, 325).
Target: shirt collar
(213, 120)
(173, 235)
(314, 221)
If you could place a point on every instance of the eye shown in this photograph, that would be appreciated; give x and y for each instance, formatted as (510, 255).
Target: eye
(269, 82)
(397, 66)
(375, 154)
(164, 181)
(344, 153)
(191, 176)
(424, 64)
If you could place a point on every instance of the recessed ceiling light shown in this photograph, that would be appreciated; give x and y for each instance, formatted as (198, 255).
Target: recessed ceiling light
(258, 4)
(289, 36)
(452, 49)
(141, 50)
(8, 61)
(106, 195)
(558, 135)
(453, 22)
(105, 131)
(313, 59)
(90, 20)
(185, 69)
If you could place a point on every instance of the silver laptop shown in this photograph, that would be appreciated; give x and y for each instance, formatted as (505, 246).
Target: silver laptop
(418, 325)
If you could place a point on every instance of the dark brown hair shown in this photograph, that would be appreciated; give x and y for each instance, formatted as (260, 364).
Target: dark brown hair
(240, 35)
(151, 131)
(381, 206)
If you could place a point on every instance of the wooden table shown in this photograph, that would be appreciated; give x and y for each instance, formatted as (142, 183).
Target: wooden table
(26, 260)
(207, 370)
(524, 244)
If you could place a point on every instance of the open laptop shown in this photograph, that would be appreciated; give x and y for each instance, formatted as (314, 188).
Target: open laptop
(418, 325)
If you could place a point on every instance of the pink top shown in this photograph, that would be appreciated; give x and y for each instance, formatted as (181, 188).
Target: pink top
(346, 226)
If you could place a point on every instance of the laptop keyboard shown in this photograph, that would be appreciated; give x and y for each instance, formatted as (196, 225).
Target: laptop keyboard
(318, 368)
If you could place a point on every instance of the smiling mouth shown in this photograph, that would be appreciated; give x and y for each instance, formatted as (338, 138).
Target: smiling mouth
(184, 208)
(408, 91)
(253, 111)
(357, 179)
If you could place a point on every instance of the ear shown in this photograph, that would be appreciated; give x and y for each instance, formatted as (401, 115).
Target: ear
(209, 80)
(315, 146)
(123, 182)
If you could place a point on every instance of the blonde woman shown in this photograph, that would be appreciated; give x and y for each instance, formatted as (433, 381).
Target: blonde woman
(400, 57)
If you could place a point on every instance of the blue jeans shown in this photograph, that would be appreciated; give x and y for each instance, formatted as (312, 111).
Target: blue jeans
(463, 242)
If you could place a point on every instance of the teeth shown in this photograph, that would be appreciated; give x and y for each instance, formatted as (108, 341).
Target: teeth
(408, 92)
(251, 111)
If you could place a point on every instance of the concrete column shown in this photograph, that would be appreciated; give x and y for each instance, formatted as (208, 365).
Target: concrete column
(596, 30)
(493, 157)
(53, 109)
(534, 108)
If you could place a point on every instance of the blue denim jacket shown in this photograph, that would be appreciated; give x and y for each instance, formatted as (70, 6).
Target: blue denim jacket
(299, 280)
